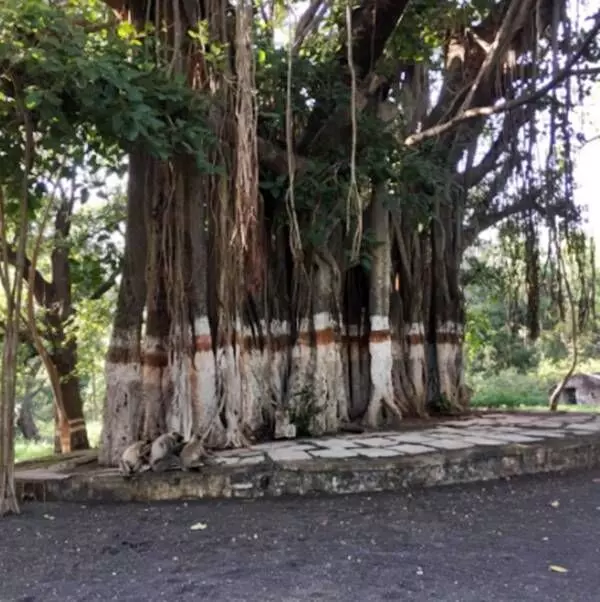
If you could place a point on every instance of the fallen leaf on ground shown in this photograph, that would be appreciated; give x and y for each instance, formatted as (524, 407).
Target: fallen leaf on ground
(48, 517)
(556, 568)
(595, 480)
(198, 527)
(555, 504)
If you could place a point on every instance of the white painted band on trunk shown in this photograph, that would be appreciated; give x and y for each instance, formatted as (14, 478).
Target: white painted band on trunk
(322, 320)
(416, 328)
(126, 371)
(153, 343)
(449, 327)
(380, 322)
(279, 327)
(125, 339)
(202, 326)
(304, 326)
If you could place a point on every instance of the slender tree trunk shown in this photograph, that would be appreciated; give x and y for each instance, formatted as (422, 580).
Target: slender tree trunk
(71, 432)
(26, 421)
(382, 404)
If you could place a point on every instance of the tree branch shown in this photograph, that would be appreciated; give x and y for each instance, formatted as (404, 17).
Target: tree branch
(42, 289)
(105, 286)
(510, 127)
(531, 97)
(309, 21)
(373, 22)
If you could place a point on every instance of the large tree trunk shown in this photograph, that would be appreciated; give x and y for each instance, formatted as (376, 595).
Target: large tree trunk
(123, 412)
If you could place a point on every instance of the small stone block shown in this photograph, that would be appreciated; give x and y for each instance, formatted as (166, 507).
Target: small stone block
(382, 452)
(251, 460)
(287, 455)
(41, 474)
(591, 427)
(375, 442)
(447, 443)
(547, 434)
(514, 437)
(341, 443)
(412, 449)
(335, 453)
(482, 441)
(419, 439)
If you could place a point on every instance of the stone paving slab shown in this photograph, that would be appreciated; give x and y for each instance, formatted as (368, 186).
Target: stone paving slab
(494, 446)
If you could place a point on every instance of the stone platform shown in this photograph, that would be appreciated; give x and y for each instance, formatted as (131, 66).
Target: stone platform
(495, 445)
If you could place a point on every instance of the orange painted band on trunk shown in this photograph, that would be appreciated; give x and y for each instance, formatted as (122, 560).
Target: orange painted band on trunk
(448, 337)
(415, 339)
(355, 339)
(320, 337)
(203, 342)
(280, 342)
(122, 355)
(155, 359)
(379, 336)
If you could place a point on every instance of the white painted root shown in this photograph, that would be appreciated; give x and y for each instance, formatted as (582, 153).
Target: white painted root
(381, 371)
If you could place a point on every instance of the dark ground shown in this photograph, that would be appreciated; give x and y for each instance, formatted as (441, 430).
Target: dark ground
(479, 543)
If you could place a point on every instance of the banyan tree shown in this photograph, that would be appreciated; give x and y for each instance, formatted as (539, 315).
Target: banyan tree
(304, 274)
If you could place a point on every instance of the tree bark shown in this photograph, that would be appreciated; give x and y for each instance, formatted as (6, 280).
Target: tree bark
(25, 419)
(71, 431)
(123, 412)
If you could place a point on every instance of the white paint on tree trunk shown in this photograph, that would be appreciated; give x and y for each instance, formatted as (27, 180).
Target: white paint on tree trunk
(202, 326)
(203, 379)
(254, 378)
(321, 321)
(123, 411)
(417, 363)
(278, 355)
(317, 377)
(343, 413)
(382, 365)
(228, 364)
(179, 410)
(365, 363)
(380, 323)
(449, 360)
(156, 388)
(302, 368)
(280, 332)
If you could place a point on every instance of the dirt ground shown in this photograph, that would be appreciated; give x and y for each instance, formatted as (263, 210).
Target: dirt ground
(493, 542)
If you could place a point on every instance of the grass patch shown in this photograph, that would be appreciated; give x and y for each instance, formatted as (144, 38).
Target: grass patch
(30, 450)
(512, 389)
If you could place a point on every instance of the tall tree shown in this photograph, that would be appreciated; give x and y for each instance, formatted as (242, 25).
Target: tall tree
(282, 315)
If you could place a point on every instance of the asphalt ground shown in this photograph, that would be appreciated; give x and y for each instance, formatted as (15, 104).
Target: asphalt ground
(527, 539)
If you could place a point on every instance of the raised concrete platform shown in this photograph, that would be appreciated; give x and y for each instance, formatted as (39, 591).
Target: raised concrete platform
(457, 451)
